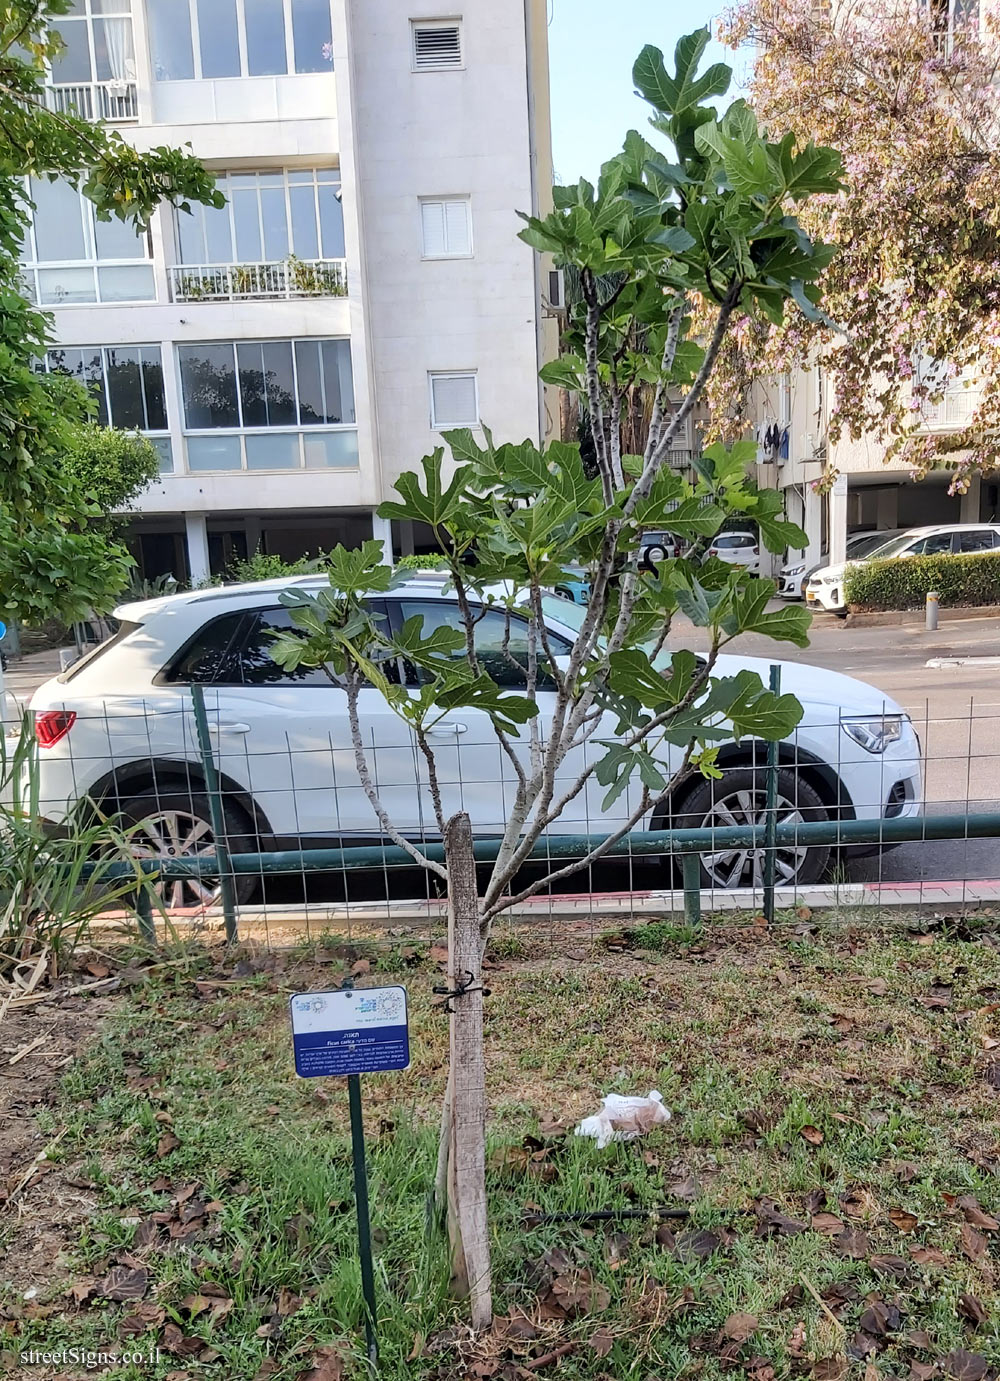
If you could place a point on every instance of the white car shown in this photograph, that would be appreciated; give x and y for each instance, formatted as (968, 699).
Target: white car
(117, 729)
(737, 549)
(826, 586)
(795, 575)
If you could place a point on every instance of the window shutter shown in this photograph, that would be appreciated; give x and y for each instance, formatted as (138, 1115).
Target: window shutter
(453, 400)
(437, 45)
(432, 215)
(457, 226)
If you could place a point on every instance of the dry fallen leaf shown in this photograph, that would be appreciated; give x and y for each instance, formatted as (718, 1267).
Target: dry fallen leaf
(928, 1256)
(972, 1308)
(124, 1283)
(973, 1243)
(167, 1143)
(827, 1223)
(902, 1219)
(811, 1134)
(602, 1342)
(740, 1327)
(975, 1214)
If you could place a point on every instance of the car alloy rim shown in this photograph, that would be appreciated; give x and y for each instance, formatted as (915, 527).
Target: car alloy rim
(745, 867)
(177, 834)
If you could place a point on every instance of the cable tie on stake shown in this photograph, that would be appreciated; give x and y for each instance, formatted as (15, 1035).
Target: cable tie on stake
(468, 986)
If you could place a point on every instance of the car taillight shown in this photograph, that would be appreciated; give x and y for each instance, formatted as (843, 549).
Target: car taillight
(713, 551)
(756, 551)
(52, 725)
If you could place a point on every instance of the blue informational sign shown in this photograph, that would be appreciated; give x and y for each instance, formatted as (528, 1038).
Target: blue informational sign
(3, 630)
(350, 1031)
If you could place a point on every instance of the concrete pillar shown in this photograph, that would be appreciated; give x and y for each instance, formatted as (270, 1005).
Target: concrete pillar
(382, 532)
(196, 532)
(971, 501)
(253, 534)
(837, 500)
(812, 521)
(887, 509)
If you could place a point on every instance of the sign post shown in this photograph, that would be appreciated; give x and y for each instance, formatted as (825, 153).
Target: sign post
(349, 1032)
(3, 688)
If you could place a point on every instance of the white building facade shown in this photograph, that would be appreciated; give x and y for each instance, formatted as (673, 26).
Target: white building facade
(362, 290)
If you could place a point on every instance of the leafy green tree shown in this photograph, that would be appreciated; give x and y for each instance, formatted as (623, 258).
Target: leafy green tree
(111, 467)
(53, 563)
(714, 216)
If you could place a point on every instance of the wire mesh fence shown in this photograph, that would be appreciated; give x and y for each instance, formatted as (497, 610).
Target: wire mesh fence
(249, 807)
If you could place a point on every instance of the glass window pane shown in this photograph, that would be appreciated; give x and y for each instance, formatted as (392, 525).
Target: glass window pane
(272, 200)
(331, 221)
(265, 28)
(208, 386)
(312, 407)
(111, 6)
(152, 382)
(279, 451)
(191, 235)
(128, 283)
(279, 384)
(218, 38)
(260, 668)
(299, 175)
(218, 236)
(161, 445)
(313, 35)
(339, 381)
(249, 360)
(57, 286)
(58, 218)
(119, 240)
(305, 241)
(114, 52)
(73, 63)
(170, 40)
(246, 215)
(212, 657)
(125, 388)
(214, 453)
(331, 450)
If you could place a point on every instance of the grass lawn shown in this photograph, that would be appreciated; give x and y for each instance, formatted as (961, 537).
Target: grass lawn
(835, 1139)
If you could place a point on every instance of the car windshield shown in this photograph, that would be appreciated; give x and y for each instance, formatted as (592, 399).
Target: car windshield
(867, 542)
(893, 547)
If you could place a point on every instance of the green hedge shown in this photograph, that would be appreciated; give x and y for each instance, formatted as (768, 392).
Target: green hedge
(904, 583)
(422, 561)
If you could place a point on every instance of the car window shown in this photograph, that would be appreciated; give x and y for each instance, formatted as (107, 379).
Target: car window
(980, 539)
(258, 668)
(209, 659)
(934, 545)
(733, 539)
(502, 662)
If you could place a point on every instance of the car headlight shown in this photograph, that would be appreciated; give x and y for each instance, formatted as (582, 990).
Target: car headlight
(874, 733)
(794, 570)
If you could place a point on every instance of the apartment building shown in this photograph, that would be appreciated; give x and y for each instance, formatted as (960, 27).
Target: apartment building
(363, 288)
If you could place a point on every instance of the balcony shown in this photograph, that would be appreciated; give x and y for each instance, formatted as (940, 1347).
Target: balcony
(283, 278)
(116, 101)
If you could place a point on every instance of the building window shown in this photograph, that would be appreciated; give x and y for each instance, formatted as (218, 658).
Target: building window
(446, 227)
(267, 217)
(193, 39)
(951, 20)
(127, 384)
(269, 405)
(436, 44)
(70, 256)
(454, 400)
(99, 47)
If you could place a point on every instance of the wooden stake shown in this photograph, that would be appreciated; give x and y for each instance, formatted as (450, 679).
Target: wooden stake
(467, 1223)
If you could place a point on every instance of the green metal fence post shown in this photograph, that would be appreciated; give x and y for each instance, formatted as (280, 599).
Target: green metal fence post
(144, 911)
(691, 877)
(215, 810)
(771, 819)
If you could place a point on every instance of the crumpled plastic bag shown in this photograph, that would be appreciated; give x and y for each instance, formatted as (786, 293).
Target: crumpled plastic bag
(623, 1119)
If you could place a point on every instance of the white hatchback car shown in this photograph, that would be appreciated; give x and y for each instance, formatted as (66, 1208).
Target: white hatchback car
(737, 549)
(826, 586)
(117, 729)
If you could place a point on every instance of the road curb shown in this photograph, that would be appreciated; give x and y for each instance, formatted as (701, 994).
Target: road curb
(894, 618)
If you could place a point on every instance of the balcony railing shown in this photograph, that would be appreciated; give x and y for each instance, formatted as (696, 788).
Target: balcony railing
(115, 100)
(241, 282)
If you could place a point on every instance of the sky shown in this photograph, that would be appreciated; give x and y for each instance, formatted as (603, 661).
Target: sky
(592, 46)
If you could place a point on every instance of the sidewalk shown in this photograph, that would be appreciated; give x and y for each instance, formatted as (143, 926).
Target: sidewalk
(23, 677)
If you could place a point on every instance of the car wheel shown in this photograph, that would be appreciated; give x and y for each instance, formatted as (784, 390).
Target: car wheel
(178, 824)
(739, 797)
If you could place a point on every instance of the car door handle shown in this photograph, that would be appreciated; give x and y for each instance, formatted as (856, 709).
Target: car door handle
(446, 730)
(229, 728)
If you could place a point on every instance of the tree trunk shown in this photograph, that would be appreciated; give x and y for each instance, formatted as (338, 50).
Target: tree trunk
(467, 1226)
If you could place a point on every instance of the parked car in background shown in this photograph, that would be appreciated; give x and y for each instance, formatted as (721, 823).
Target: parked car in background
(655, 546)
(117, 730)
(826, 586)
(738, 549)
(795, 575)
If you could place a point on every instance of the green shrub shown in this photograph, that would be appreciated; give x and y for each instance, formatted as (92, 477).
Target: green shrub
(262, 565)
(422, 561)
(903, 583)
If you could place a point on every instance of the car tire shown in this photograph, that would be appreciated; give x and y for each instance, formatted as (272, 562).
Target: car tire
(178, 823)
(740, 797)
